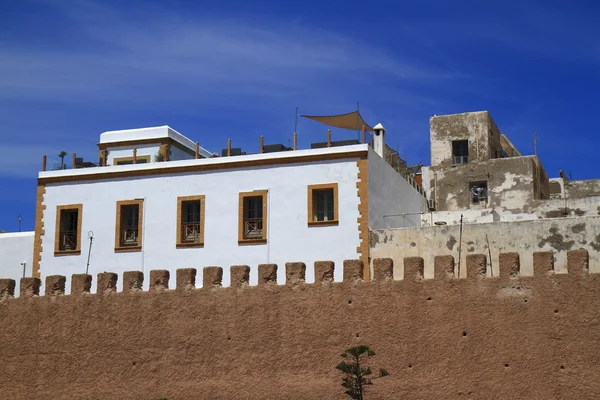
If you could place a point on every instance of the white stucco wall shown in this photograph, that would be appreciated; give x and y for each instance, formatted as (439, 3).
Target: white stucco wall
(16, 248)
(289, 237)
(391, 197)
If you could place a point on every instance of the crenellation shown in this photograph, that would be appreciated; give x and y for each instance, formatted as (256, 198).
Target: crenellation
(29, 287)
(578, 262)
(353, 271)
(476, 266)
(81, 284)
(295, 273)
(159, 280)
(239, 275)
(324, 272)
(7, 288)
(414, 268)
(267, 274)
(55, 285)
(133, 281)
(212, 277)
(383, 269)
(443, 267)
(186, 279)
(510, 266)
(107, 283)
(543, 263)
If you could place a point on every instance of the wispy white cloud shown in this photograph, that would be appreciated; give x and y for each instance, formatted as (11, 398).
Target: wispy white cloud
(157, 54)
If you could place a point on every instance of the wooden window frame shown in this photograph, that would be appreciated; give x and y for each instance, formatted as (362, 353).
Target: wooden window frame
(180, 243)
(116, 160)
(59, 209)
(310, 215)
(125, 249)
(242, 196)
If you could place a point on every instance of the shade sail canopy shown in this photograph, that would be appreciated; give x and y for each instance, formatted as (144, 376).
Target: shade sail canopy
(352, 121)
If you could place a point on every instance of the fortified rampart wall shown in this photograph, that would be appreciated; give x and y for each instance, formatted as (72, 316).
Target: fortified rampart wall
(474, 337)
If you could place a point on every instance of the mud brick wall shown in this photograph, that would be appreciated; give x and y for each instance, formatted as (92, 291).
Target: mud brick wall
(476, 336)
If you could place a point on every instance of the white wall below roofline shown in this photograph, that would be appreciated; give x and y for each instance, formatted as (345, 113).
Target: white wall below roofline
(16, 248)
(290, 237)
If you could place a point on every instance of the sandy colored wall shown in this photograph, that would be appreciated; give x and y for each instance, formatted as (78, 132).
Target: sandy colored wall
(443, 338)
(523, 237)
(579, 189)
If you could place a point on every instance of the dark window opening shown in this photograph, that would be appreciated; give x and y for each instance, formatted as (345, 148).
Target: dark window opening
(253, 217)
(129, 225)
(190, 221)
(479, 192)
(68, 230)
(323, 204)
(460, 152)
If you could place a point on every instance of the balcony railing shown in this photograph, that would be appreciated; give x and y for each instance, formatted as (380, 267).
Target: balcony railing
(191, 232)
(68, 240)
(129, 236)
(253, 228)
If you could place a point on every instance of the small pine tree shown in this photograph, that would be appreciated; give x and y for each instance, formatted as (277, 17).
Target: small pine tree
(357, 371)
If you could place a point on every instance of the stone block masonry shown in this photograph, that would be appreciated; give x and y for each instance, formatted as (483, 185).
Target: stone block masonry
(478, 336)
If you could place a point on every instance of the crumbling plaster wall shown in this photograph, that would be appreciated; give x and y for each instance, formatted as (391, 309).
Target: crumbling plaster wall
(584, 188)
(522, 237)
(510, 183)
(477, 127)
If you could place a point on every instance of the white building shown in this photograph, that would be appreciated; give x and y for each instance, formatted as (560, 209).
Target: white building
(196, 210)
(16, 255)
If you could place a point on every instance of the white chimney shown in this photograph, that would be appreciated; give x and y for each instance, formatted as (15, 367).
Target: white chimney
(379, 139)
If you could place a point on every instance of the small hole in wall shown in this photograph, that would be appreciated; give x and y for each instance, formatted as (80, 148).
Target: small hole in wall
(133, 363)
(409, 365)
(506, 365)
(555, 311)
(464, 333)
(429, 299)
(357, 335)
(228, 337)
(524, 301)
(562, 367)
(349, 301)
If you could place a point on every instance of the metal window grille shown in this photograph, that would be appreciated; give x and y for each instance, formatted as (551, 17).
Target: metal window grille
(129, 225)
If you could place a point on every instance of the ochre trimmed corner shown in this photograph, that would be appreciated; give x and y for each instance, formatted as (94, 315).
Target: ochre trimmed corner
(39, 230)
(362, 186)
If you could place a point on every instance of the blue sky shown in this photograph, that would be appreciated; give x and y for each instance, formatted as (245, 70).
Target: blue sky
(72, 69)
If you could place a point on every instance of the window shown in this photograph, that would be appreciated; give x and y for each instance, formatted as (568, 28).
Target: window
(68, 230)
(128, 235)
(323, 204)
(190, 221)
(253, 217)
(129, 160)
(478, 192)
(460, 152)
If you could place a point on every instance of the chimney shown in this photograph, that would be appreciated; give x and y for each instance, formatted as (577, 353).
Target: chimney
(379, 140)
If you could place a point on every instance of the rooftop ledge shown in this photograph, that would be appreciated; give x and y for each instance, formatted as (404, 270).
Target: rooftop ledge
(341, 152)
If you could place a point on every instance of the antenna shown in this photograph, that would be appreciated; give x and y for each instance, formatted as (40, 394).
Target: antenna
(358, 120)
(296, 120)
(534, 143)
(20, 219)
